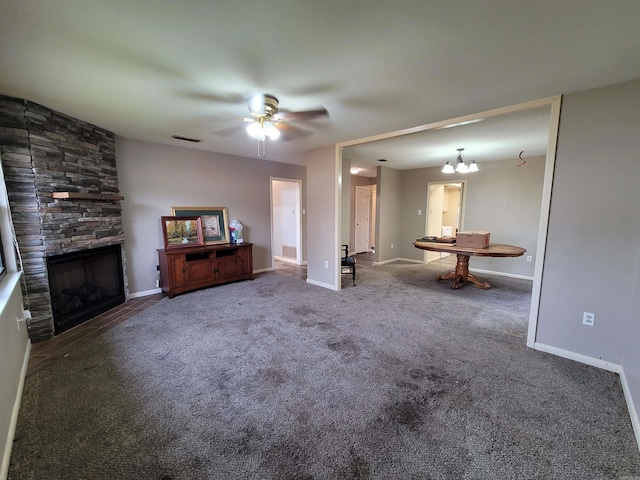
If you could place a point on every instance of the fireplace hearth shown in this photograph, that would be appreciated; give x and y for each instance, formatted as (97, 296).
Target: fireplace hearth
(84, 284)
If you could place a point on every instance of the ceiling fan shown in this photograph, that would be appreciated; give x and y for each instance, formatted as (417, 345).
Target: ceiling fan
(268, 121)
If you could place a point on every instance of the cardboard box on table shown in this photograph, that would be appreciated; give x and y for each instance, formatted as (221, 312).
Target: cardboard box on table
(473, 239)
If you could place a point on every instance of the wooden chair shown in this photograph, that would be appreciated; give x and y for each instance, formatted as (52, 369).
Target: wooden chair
(348, 264)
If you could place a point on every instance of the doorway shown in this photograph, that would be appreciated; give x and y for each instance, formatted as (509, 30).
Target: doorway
(286, 220)
(362, 219)
(444, 212)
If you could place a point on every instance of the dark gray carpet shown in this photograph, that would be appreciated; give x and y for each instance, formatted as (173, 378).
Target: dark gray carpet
(397, 378)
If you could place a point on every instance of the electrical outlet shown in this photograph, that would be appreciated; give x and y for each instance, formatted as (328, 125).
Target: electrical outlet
(588, 319)
(419, 212)
(326, 264)
(392, 246)
(529, 258)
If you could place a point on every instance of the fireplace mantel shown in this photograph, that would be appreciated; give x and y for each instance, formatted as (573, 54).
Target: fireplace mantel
(87, 196)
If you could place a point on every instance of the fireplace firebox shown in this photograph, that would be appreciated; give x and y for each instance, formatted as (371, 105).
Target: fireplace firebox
(84, 284)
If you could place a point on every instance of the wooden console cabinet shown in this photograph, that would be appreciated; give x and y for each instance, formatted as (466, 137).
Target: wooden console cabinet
(186, 269)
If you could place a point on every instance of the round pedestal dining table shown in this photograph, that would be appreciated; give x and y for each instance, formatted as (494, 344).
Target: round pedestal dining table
(461, 274)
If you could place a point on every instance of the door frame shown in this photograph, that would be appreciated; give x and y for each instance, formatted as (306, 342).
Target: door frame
(298, 182)
(555, 104)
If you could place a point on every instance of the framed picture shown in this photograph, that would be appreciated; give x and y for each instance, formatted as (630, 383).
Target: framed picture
(215, 222)
(181, 232)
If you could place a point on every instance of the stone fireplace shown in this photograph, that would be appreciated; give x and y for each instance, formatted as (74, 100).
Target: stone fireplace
(62, 185)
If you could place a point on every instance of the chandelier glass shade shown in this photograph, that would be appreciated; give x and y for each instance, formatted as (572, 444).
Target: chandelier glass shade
(448, 168)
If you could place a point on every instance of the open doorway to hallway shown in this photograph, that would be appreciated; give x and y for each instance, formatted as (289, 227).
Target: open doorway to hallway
(286, 221)
(445, 211)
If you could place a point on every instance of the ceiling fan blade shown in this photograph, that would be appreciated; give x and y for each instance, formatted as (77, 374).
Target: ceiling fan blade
(302, 116)
(290, 132)
(224, 98)
(227, 132)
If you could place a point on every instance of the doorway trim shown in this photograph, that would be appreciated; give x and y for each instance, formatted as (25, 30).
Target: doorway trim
(298, 208)
(554, 122)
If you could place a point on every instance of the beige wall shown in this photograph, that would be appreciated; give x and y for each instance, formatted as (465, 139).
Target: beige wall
(155, 177)
(501, 198)
(388, 238)
(592, 262)
(346, 218)
(593, 246)
(323, 213)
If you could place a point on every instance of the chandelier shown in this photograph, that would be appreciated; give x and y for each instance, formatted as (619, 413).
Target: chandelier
(461, 165)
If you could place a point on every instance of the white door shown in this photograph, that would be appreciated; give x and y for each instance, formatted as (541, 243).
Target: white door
(363, 208)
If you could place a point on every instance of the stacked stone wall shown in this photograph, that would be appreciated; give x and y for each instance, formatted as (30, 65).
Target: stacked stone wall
(43, 152)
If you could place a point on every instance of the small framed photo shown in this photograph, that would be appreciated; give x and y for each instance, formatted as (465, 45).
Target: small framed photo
(215, 222)
(179, 232)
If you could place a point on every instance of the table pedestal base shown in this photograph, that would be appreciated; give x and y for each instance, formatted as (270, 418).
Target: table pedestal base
(461, 275)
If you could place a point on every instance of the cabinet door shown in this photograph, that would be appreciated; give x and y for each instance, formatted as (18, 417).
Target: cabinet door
(227, 267)
(246, 265)
(177, 271)
(200, 272)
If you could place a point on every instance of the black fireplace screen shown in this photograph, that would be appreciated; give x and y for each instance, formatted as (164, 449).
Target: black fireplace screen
(84, 284)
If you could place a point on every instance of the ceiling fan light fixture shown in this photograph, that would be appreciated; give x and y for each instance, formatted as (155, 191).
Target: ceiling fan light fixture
(256, 131)
(270, 130)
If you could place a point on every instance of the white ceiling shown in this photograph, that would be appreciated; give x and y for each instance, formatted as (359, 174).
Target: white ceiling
(149, 70)
(516, 135)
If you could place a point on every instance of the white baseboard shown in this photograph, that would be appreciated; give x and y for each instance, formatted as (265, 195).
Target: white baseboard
(594, 362)
(410, 260)
(262, 270)
(6, 457)
(286, 259)
(598, 363)
(321, 284)
(398, 259)
(633, 413)
(145, 293)
(501, 274)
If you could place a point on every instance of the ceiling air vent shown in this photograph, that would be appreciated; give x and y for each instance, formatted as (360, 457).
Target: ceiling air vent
(186, 139)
